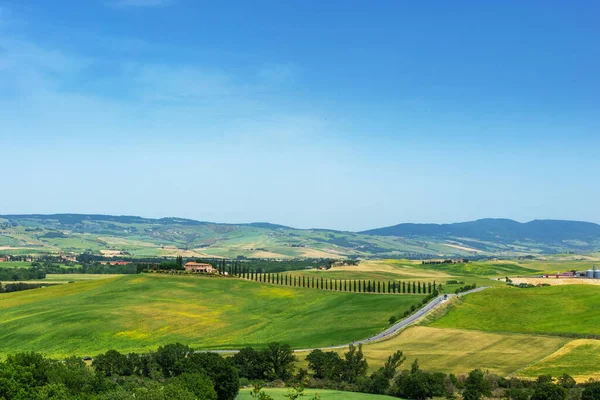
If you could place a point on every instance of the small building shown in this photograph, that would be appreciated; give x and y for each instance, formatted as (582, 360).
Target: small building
(119, 262)
(199, 267)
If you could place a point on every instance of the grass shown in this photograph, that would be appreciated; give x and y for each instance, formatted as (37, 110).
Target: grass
(460, 351)
(141, 312)
(570, 310)
(580, 358)
(279, 394)
(15, 264)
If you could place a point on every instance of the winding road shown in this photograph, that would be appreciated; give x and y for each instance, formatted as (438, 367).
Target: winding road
(391, 331)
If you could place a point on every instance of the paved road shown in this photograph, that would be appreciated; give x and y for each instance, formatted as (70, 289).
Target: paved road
(391, 331)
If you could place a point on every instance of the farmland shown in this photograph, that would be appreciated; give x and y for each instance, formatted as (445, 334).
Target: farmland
(457, 351)
(141, 312)
(580, 358)
(561, 310)
(144, 237)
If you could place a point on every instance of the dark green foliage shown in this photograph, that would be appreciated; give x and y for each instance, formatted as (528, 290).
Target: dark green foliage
(170, 357)
(198, 384)
(591, 391)
(222, 371)
(549, 391)
(325, 365)
(476, 386)
(417, 384)
(252, 363)
(280, 359)
(355, 364)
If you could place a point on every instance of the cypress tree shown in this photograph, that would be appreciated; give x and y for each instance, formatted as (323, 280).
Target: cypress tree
(429, 287)
(378, 287)
(364, 286)
(321, 283)
(419, 287)
(313, 282)
(389, 286)
(345, 286)
(408, 291)
(404, 287)
(414, 287)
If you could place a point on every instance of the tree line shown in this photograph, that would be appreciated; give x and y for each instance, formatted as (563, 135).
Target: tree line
(348, 371)
(176, 371)
(338, 285)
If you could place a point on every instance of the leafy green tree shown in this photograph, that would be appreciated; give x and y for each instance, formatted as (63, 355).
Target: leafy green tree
(476, 386)
(112, 363)
(280, 359)
(549, 391)
(251, 363)
(325, 365)
(355, 364)
(170, 357)
(222, 371)
(591, 391)
(199, 384)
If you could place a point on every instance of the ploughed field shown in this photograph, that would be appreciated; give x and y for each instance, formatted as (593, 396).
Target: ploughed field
(141, 312)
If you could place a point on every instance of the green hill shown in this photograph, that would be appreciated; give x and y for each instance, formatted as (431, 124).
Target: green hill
(143, 237)
(141, 312)
(570, 310)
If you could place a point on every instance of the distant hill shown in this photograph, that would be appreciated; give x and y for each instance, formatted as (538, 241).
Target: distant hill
(499, 230)
(147, 237)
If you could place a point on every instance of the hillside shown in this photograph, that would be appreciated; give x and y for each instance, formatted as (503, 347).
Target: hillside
(142, 312)
(142, 237)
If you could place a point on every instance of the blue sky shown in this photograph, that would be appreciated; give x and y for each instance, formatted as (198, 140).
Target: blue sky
(339, 114)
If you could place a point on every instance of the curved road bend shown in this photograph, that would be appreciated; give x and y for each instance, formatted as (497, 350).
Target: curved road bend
(392, 330)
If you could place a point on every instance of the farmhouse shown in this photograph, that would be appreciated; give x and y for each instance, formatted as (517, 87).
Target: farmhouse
(119, 262)
(199, 267)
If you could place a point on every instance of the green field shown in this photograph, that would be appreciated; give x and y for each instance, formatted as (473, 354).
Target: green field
(141, 312)
(581, 358)
(15, 264)
(279, 394)
(564, 310)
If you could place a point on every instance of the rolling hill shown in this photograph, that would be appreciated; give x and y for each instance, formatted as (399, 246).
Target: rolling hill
(143, 237)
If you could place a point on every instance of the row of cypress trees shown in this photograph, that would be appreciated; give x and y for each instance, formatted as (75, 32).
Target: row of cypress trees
(339, 285)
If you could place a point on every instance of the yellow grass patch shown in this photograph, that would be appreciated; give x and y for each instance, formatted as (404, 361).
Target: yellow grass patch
(555, 281)
(460, 351)
(580, 358)
(135, 334)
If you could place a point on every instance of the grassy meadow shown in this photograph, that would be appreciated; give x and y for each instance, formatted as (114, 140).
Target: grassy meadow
(141, 312)
(570, 310)
(581, 358)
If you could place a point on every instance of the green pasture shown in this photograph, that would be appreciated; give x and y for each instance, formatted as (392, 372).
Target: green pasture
(570, 310)
(324, 394)
(15, 264)
(142, 312)
(580, 358)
